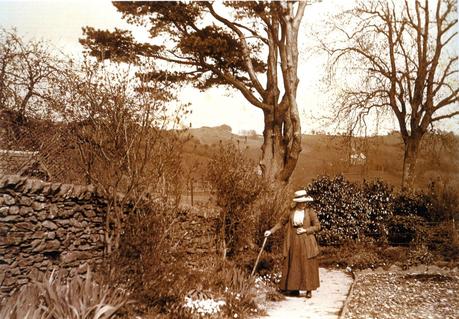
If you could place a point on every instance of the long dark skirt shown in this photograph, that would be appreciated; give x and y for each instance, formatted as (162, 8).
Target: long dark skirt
(299, 272)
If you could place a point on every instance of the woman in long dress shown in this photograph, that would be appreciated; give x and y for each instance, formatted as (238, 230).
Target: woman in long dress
(300, 269)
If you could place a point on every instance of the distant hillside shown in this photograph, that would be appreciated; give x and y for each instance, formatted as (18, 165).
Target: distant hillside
(328, 154)
(211, 135)
(223, 133)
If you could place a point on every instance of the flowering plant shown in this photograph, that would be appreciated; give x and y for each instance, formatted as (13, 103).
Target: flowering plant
(204, 307)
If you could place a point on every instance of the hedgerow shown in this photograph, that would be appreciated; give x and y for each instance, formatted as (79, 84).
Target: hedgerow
(372, 209)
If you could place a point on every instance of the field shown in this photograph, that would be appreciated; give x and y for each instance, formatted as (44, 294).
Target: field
(330, 155)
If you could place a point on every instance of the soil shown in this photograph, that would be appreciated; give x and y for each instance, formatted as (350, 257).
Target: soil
(420, 292)
(404, 294)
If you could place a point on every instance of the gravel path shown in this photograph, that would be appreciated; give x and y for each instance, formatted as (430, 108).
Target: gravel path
(326, 302)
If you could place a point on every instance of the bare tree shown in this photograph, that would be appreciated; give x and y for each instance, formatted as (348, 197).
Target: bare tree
(118, 124)
(26, 68)
(28, 72)
(399, 58)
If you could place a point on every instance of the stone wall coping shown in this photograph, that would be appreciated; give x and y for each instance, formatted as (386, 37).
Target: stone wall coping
(27, 185)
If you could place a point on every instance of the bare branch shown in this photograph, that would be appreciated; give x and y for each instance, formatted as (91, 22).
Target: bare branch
(447, 116)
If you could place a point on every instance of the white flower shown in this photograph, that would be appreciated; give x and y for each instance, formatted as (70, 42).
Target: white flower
(204, 306)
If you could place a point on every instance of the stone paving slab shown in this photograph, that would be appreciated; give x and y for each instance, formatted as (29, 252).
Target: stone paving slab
(326, 302)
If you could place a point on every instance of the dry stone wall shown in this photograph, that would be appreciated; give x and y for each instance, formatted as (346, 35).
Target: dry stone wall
(194, 235)
(44, 225)
(51, 225)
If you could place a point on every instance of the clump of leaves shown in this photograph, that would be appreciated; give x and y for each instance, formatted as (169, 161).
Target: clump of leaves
(419, 254)
(222, 290)
(412, 203)
(54, 297)
(349, 211)
(236, 186)
(248, 203)
(146, 263)
(406, 229)
(238, 289)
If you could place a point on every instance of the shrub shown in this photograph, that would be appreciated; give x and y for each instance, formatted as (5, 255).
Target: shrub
(222, 290)
(356, 255)
(337, 209)
(364, 256)
(444, 201)
(238, 289)
(412, 203)
(269, 207)
(146, 263)
(406, 229)
(348, 211)
(418, 254)
(378, 199)
(55, 298)
(395, 254)
(442, 239)
(418, 224)
(235, 184)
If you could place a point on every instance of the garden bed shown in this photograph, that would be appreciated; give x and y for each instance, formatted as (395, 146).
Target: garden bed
(416, 293)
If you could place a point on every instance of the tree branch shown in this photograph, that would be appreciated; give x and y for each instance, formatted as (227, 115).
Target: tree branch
(442, 117)
(245, 47)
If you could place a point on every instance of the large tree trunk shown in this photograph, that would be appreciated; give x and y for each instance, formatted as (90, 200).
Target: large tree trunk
(282, 133)
(272, 150)
(281, 145)
(409, 162)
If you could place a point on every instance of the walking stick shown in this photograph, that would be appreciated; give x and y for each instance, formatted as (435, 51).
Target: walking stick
(259, 254)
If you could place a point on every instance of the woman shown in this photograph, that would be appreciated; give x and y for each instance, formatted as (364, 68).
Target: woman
(300, 270)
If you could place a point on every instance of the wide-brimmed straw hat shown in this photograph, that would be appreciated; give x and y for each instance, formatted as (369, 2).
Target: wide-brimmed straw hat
(302, 197)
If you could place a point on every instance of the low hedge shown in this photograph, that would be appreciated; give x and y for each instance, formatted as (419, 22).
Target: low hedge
(372, 209)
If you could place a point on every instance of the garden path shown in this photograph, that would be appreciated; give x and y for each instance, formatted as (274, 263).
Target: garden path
(326, 302)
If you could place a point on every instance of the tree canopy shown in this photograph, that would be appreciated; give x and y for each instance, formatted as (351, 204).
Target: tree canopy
(236, 44)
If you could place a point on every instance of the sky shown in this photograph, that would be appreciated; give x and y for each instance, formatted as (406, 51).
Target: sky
(61, 22)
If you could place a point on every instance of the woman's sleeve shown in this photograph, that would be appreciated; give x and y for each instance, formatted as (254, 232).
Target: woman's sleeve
(282, 222)
(314, 222)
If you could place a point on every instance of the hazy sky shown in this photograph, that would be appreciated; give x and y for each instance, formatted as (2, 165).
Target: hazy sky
(60, 22)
